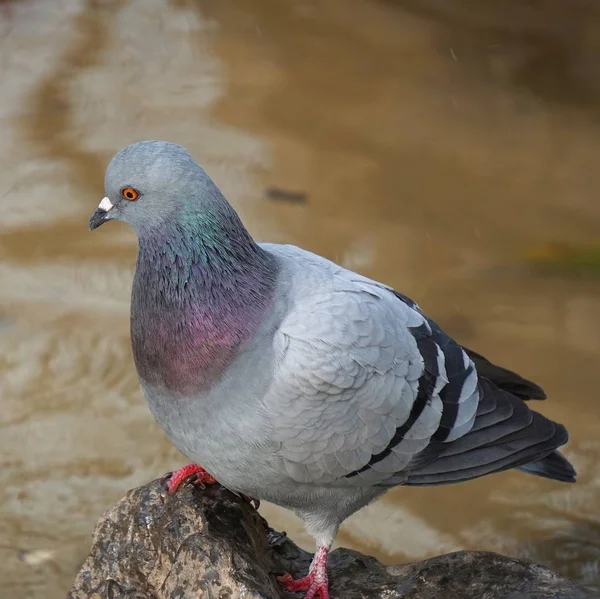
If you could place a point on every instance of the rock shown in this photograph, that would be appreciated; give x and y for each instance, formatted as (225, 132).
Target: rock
(209, 543)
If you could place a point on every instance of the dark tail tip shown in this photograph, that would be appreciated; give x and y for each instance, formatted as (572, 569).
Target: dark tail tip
(554, 466)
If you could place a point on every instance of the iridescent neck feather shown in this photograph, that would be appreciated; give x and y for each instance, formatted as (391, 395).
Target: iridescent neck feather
(201, 289)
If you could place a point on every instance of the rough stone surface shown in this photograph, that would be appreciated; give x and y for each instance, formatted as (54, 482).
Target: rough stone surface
(208, 543)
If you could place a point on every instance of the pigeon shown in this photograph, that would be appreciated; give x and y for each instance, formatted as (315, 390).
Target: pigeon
(288, 378)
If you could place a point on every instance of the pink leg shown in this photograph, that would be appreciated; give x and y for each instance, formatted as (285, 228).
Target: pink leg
(202, 477)
(179, 476)
(316, 584)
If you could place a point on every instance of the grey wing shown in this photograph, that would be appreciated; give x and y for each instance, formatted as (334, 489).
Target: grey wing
(356, 394)
(369, 391)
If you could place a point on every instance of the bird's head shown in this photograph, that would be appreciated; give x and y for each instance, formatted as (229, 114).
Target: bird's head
(148, 183)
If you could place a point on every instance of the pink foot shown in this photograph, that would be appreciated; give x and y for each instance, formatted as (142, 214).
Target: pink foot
(178, 477)
(201, 477)
(316, 583)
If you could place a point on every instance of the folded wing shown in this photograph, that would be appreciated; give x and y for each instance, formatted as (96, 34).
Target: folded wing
(368, 391)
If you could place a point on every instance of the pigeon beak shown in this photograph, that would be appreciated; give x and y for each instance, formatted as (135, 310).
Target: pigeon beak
(101, 214)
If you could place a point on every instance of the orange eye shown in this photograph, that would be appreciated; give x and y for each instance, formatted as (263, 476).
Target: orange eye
(130, 194)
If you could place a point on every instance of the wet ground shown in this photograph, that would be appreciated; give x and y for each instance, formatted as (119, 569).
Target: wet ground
(424, 143)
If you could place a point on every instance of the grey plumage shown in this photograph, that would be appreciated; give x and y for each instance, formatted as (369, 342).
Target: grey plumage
(333, 388)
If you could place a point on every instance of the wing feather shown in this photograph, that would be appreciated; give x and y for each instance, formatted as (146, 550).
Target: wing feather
(368, 391)
(356, 368)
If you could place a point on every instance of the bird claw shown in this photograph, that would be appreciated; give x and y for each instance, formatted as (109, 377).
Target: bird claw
(316, 583)
(254, 502)
(190, 474)
(164, 480)
(193, 479)
(314, 587)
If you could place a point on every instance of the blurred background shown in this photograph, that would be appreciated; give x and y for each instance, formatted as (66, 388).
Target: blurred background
(449, 149)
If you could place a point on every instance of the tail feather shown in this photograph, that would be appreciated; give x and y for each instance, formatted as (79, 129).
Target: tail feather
(554, 466)
(505, 379)
(506, 434)
(481, 467)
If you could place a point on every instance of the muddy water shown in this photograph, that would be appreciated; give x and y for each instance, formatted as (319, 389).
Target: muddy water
(435, 143)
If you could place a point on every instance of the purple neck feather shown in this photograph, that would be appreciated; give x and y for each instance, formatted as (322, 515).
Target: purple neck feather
(201, 289)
